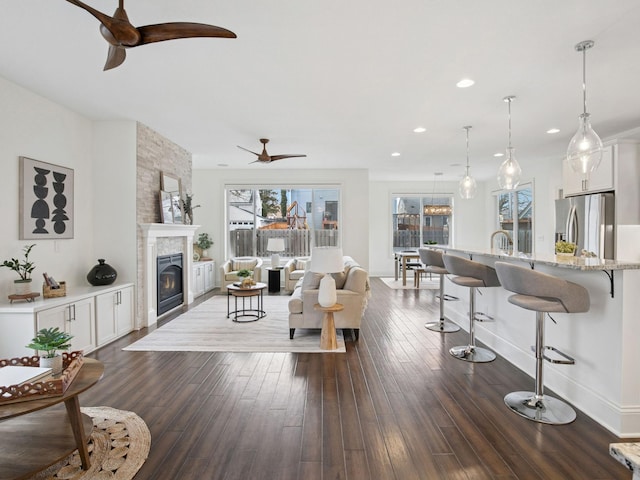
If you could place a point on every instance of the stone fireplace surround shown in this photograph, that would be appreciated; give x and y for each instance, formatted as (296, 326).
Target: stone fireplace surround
(151, 232)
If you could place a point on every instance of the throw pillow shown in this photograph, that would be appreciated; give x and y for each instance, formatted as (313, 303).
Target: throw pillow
(241, 263)
(340, 278)
(301, 264)
(311, 280)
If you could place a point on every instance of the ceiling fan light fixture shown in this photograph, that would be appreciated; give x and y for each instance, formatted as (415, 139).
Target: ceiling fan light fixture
(509, 172)
(465, 83)
(584, 152)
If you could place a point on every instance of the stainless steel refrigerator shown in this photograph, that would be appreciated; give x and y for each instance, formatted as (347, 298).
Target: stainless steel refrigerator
(589, 222)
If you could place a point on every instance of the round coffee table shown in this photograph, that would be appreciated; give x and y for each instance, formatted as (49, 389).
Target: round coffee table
(245, 314)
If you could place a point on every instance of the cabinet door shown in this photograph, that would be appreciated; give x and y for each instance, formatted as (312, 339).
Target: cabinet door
(106, 317)
(198, 280)
(82, 325)
(209, 276)
(125, 316)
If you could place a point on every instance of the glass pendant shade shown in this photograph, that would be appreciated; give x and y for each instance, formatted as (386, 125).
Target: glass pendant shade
(509, 172)
(584, 152)
(585, 149)
(468, 187)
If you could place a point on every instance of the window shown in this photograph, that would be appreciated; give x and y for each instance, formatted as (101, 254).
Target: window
(515, 216)
(421, 219)
(304, 217)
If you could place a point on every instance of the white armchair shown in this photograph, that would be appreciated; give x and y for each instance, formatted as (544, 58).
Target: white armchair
(294, 271)
(229, 269)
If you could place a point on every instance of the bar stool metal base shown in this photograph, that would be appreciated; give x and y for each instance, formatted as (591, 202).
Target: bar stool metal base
(542, 409)
(470, 353)
(443, 326)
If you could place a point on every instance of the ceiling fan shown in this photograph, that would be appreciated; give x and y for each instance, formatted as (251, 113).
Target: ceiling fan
(264, 157)
(121, 34)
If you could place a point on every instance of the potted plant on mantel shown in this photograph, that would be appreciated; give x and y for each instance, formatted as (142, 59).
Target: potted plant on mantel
(23, 269)
(50, 341)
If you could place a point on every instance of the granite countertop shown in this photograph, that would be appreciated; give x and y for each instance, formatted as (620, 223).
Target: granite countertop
(575, 263)
(627, 454)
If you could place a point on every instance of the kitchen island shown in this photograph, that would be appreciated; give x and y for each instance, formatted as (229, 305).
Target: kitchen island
(605, 341)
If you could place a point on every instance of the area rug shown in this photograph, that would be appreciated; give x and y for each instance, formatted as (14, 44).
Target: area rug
(425, 284)
(206, 328)
(118, 447)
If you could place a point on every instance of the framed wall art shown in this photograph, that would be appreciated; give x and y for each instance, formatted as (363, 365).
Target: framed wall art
(46, 200)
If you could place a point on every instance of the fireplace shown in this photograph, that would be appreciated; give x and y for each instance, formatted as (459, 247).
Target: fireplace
(169, 282)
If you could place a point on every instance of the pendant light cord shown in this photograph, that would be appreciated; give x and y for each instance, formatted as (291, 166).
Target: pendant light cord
(509, 103)
(467, 129)
(584, 80)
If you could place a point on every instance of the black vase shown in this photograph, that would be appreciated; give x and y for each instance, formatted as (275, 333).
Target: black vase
(102, 274)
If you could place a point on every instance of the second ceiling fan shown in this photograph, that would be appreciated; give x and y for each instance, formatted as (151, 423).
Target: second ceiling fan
(264, 157)
(121, 34)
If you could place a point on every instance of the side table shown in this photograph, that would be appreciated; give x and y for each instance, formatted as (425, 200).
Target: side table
(34, 436)
(274, 279)
(247, 314)
(328, 339)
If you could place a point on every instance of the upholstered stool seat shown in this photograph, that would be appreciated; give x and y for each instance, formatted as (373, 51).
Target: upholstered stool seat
(433, 263)
(472, 275)
(542, 293)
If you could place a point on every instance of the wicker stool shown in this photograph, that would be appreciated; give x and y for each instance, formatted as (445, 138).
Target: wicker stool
(472, 275)
(432, 260)
(542, 293)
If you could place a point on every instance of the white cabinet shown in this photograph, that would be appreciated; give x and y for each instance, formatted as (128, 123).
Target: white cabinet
(599, 181)
(93, 315)
(203, 277)
(77, 319)
(114, 314)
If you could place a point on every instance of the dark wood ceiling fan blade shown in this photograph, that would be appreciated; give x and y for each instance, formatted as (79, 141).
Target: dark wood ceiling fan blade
(176, 30)
(119, 30)
(247, 150)
(115, 57)
(280, 157)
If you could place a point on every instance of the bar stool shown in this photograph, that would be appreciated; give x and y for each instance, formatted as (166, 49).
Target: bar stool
(432, 260)
(542, 293)
(473, 275)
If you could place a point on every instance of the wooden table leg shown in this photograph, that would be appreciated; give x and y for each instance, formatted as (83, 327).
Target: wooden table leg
(328, 339)
(404, 271)
(75, 417)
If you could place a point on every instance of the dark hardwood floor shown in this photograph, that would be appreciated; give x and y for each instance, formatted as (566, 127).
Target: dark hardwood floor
(395, 406)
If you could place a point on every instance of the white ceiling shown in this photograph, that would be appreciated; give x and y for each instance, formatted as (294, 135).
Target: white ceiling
(344, 82)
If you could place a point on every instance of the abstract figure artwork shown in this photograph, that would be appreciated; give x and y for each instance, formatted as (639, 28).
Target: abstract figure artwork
(46, 200)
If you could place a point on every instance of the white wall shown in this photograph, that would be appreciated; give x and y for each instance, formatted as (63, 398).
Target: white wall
(35, 127)
(209, 185)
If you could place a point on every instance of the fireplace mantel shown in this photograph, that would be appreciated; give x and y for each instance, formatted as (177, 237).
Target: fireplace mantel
(151, 232)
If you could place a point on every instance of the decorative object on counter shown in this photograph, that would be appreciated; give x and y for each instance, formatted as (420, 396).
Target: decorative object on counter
(327, 260)
(102, 274)
(49, 341)
(468, 185)
(587, 254)
(275, 245)
(23, 269)
(204, 242)
(509, 171)
(46, 200)
(585, 148)
(188, 207)
(565, 248)
(50, 292)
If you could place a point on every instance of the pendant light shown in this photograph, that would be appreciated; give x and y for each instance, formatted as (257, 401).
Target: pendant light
(433, 208)
(468, 183)
(510, 171)
(585, 149)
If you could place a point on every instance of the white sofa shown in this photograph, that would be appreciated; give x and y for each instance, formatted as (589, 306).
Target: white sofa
(353, 292)
(229, 269)
(293, 271)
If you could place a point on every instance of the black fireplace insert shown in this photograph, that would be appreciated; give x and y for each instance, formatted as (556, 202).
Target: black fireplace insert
(169, 282)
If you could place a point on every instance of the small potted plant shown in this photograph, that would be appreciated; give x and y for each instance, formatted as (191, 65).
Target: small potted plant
(204, 242)
(246, 275)
(49, 341)
(23, 269)
(565, 249)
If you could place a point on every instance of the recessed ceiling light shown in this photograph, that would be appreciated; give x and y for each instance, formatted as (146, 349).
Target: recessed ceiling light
(395, 154)
(464, 83)
(499, 154)
(553, 130)
(419, 129)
